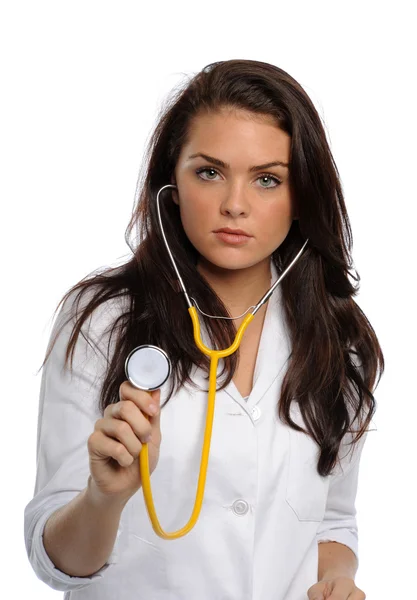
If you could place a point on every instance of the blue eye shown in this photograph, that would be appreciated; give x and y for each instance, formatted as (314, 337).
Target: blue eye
(265, 175)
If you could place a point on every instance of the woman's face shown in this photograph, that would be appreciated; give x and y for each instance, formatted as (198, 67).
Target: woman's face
(212, 196)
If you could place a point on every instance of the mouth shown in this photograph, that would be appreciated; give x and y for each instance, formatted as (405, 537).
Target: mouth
(234, 237)
(234, 231)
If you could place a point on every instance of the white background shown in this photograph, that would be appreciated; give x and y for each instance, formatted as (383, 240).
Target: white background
(81, 84)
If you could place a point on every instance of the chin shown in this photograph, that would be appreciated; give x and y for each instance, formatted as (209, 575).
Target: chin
(229, 263)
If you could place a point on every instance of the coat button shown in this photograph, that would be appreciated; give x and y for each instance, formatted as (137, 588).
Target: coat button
(256, 412)
(240, 507)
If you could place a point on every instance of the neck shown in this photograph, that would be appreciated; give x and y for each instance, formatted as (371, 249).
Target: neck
(238, 288)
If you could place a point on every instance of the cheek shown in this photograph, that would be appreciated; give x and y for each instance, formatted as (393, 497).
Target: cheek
(192, 216)
(274, 226)
(274, 217)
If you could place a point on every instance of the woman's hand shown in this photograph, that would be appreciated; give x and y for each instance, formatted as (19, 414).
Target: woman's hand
(338, 588)
(117, 440)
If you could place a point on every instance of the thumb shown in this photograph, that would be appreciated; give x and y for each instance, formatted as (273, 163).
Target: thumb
(156, 399)
(156, 396)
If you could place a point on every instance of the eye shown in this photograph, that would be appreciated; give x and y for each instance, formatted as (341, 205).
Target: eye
(273, 178)
(261, 176)
(205, 169)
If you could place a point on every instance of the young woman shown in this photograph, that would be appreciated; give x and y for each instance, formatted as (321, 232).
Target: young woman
(246, 150)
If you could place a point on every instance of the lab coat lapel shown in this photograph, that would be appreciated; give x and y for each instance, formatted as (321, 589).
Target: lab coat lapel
(273, 352)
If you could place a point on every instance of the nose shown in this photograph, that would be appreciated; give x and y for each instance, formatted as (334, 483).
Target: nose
(234, 203)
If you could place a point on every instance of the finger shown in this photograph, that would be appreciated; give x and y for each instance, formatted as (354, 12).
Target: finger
(121, 430)
(316, 596)
(316, 592)
(343, 588)
(129, 412)
(144, 400)
(102, 445)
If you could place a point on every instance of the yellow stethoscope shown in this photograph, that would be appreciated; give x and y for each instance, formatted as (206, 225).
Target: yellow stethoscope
(148, 367)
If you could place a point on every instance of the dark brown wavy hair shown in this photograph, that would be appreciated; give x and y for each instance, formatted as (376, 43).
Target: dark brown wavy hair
(335, 355)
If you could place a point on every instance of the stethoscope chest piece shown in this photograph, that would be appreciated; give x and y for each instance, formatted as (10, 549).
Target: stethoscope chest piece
(147, 367)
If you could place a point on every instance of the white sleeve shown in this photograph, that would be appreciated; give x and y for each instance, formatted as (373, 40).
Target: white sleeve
(339, 523)
(68, 410)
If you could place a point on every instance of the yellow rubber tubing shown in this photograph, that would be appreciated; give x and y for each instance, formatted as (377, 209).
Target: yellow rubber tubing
(144, 456)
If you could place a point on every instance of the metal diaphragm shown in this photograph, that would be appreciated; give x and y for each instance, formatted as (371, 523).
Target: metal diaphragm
(147, 367)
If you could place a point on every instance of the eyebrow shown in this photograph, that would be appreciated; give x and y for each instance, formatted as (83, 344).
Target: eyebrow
(220, 163)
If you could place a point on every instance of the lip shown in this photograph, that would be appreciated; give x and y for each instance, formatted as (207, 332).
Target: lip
(234, 239)
(233, 231)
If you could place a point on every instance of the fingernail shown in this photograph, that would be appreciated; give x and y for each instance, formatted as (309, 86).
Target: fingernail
(153, 409)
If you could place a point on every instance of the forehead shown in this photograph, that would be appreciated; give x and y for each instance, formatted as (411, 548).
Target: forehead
(235, 130)
(232, 118)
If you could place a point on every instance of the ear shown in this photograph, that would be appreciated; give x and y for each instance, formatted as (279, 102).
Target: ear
(175, 196)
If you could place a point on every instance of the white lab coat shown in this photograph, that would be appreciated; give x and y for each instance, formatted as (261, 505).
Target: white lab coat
(265, 507)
